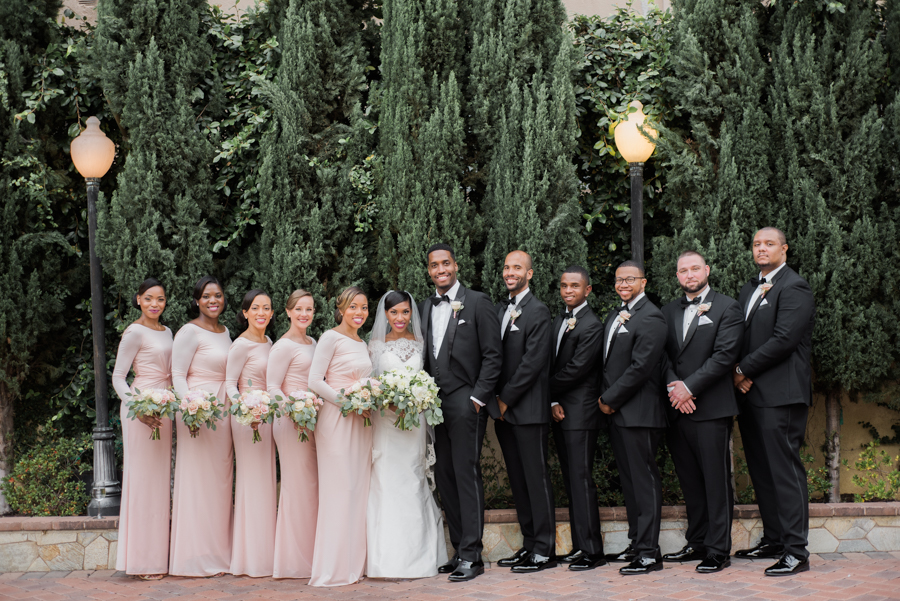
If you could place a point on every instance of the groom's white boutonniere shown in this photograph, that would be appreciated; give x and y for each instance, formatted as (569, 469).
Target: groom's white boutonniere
(457, 306)
(703, 308)
(571, 321)
(765, 288)
(513, 315)
(623, 317)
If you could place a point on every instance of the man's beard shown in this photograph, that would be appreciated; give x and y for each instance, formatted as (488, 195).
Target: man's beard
(697, 287)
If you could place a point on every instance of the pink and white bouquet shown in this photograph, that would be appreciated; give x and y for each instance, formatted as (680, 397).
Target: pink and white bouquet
(152, 402)
(362, 396)
(411, 393)
(302, 408)
(199, 407)
(254, 407)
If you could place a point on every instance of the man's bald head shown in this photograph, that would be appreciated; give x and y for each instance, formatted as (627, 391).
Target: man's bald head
(517, 271)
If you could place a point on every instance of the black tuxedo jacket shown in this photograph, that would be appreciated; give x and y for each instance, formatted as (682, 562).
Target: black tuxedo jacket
(523, 384)
(706, 358)
(472, 341)
(632, 370)
(574, 377)
(778, 341)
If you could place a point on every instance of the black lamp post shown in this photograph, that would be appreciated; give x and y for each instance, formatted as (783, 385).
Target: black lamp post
(93, 154)
(636, 149)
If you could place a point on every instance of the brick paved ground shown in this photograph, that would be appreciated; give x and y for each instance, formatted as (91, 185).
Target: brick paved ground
(858, 576)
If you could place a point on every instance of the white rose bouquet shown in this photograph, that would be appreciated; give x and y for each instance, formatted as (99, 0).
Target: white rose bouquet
(152, 402)
(199, 408)
(412, 393)
(302, 408)
(362, 396)
(254, 407)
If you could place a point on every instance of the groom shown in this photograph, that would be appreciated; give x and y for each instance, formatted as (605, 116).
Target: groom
(463, 354)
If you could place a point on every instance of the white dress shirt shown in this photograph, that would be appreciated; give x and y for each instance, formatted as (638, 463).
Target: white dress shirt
(615, 327)
(758, 290)
(440, 319)
(509, 309)
(691, 311)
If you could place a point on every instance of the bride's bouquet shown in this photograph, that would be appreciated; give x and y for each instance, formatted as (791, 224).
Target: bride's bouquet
(411, 392)
(302, 408)
(362, 396)
(199, 407)
(152, 402)
(254, 407)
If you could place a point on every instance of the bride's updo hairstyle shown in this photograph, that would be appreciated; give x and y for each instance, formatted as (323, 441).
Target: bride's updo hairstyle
(344, 300)
(294, 298)
(247, 303)
(395, 297)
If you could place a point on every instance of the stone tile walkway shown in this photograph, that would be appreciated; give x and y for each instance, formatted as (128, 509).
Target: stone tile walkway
(857, 577)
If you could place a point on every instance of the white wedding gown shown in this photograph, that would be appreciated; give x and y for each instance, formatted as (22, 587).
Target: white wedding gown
(405, 531)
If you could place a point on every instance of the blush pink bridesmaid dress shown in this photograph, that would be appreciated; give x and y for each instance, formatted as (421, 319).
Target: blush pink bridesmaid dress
(202, 509)
(253, 543)
(143, 546)
(298, 501)
(344, 453)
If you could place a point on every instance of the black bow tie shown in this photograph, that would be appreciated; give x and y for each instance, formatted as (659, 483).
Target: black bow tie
(757, 281)
(508, 301)
(437, 300)
(687, 303)
(567, 314)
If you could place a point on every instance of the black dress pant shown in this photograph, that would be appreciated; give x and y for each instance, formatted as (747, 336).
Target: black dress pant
(772, 437)
(526, 451)
(576, 450)
(457, 445)
(701, 454)
(635, 451)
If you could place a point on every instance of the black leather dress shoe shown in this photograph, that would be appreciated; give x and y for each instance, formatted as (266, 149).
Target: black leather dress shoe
(689, 553)
(626, 556)
(450, 566)
(516, 559)
(787, 565)
(467, 570)
(588, 562)
(714, 563)
(761, 551)
(641, 565)
(534, 563)
(571, 557)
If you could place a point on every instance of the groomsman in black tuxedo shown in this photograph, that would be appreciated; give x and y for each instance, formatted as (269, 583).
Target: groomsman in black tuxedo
(773, 376)
(631, 393)
(521, 413)
(705, 332)
(577, 338)
(463, 354)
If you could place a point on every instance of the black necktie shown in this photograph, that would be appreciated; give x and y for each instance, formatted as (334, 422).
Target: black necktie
(757, 281)
(685, 303)
(437, 300)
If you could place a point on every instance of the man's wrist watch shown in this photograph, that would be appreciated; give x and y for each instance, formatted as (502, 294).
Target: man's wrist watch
(737, 370)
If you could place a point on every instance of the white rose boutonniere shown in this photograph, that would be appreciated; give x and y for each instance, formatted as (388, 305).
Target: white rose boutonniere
(623, 317)
(765, 288)
(703, 308)
(457, 306)
(571, 321)
(513, 315)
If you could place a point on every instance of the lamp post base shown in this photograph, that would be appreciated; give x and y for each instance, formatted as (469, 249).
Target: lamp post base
(106, 492)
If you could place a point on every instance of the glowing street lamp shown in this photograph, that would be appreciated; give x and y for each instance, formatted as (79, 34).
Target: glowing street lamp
(636, 148)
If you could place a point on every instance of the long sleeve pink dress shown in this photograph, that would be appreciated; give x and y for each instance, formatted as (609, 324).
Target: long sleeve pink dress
(298, 501)
(144, 517)
(253, 545)
(344, 453)
(202, 510)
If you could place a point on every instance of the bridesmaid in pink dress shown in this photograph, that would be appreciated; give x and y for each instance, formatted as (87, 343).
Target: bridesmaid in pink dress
(204, 466)
(289, 362)
(253, 546)
(344, 448)
(146, 347)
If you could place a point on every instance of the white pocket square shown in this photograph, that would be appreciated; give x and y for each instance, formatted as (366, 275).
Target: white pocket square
(704, 320)
(513, 328)
(622, 330)
(461, 321)
(764, 302)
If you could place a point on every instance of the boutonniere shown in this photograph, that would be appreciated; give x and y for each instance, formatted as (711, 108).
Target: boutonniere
(623, 317)
(457, 306)
(571, 321)
(703, 308)
(765, 288)
(514, 314)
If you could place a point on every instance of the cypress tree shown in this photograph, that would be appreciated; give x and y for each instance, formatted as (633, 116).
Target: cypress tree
(150, 57)
(318, 134)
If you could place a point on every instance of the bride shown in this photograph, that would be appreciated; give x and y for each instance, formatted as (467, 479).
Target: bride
(405, 532)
